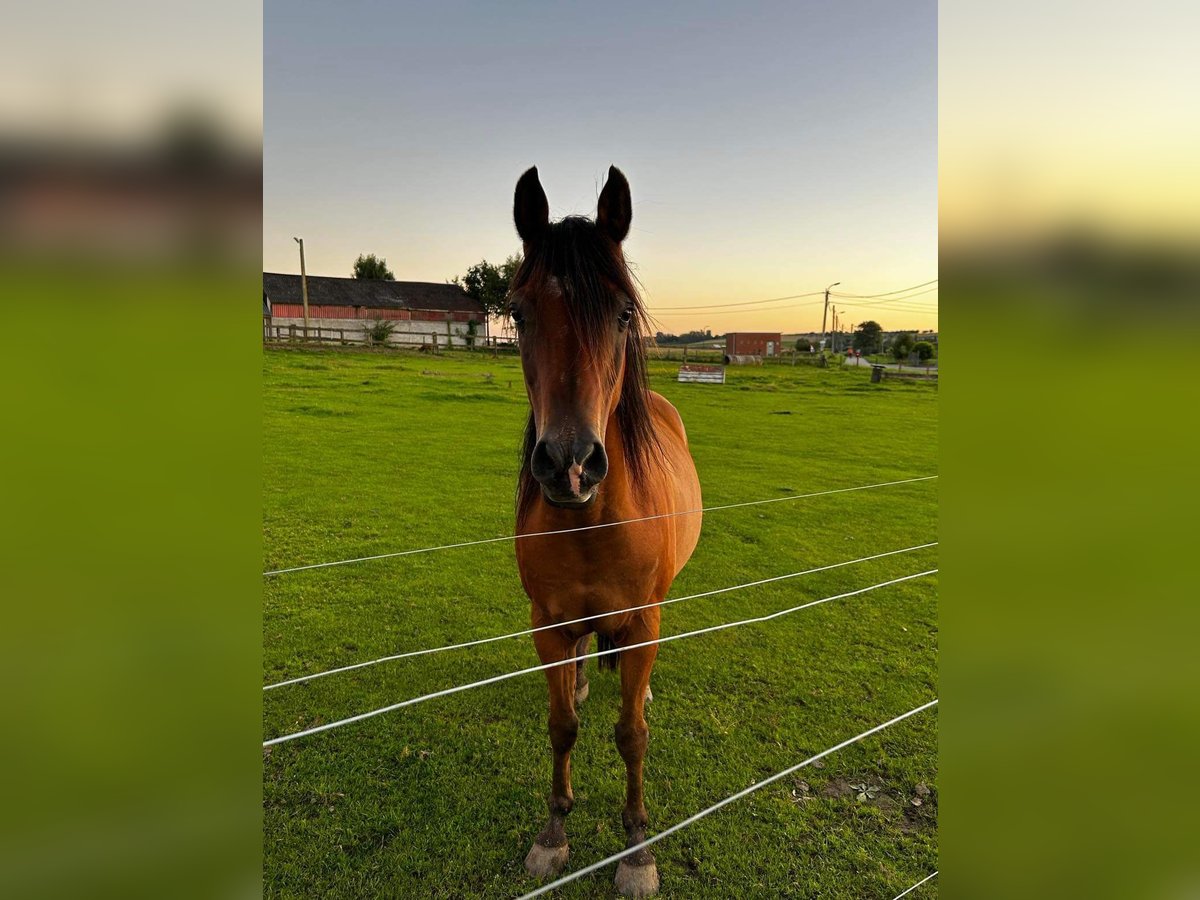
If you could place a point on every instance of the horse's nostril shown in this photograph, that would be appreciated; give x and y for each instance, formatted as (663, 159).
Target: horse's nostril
(547, 459)
(595, 464)
(589, 455)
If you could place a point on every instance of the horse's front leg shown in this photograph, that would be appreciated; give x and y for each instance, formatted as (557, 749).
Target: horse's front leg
(549, 852)
(581, 681)
(637, 874)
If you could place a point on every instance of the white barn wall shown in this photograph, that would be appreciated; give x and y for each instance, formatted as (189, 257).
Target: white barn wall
(408, 331)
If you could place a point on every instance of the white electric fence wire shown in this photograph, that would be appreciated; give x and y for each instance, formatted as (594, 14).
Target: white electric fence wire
(915, 886)
(574, 659)
(515, 537)
(501, 637)
(629, 851)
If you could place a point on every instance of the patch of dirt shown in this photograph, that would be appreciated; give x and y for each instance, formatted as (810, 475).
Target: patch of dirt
(920, 810)
(801, 792)
(916, 808)
(886, 802)
(837, 788)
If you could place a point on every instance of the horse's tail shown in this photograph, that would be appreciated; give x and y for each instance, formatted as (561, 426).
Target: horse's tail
(608, 661)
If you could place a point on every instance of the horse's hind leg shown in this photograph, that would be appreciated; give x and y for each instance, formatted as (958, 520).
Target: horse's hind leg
(549, 852)
(637, 874)
(581, 682)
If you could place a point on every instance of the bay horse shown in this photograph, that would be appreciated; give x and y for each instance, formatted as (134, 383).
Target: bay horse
(600, 447)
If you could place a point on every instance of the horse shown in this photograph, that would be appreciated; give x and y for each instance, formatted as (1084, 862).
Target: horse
(599, 448)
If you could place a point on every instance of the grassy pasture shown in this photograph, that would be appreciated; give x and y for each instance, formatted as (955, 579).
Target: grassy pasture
(372, 452)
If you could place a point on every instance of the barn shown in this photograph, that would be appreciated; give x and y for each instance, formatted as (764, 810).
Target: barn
(419, 308)
(753, 343)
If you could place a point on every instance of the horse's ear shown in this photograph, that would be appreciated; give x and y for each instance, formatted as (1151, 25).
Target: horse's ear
(614, 212)
(531, 209)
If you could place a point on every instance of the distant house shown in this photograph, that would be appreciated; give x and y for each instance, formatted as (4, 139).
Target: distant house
(753, 343)
(417, 307)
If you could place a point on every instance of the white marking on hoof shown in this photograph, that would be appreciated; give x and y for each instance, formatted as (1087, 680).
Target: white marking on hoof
(544, 862)
(581, 692)
(649, 694)
(637, 881)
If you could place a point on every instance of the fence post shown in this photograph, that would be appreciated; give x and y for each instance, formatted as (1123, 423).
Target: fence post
(435, 343)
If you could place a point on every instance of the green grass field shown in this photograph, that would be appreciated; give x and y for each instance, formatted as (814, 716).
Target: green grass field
(373, 452)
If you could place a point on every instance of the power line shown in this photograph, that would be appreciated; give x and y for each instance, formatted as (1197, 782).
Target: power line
(516, 537)
(733, 312)
(629, 851)
(889, 293)
(851, 301)
(576, 659)
(899, 307)
(488, 640)
(915, 886)
(873, 310)
(897, 310)
(745, 303)
(790, 297)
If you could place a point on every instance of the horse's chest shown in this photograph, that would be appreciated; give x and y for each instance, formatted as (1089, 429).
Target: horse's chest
(608, 574)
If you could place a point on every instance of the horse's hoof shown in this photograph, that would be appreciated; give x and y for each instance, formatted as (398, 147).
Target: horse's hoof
(545, 862)
(649, 694)
(637, 881)
(581, 692)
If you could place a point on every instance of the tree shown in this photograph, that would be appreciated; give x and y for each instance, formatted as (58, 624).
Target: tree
(902, 345)
(489, 283)
(688, 337)
(868, 338)
(370, 267)
(923, 349)
(380, 330)
(803, 345)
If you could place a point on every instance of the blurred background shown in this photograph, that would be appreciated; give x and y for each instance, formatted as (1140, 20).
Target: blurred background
(130, 206)
(1070, 266)
(130, 199)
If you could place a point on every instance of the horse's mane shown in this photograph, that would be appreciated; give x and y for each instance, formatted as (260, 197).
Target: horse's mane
(597, 285)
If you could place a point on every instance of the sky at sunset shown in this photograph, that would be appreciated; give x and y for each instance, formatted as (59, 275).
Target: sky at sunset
(772, 149)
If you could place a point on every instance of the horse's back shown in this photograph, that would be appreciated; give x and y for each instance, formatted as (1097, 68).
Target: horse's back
(685, 481)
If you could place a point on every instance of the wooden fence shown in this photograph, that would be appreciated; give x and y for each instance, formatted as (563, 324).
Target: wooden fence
(430, 342)
(686, 354)
(435, 343)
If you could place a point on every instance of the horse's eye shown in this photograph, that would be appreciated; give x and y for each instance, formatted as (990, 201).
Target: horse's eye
(625, 317)
(515, 315)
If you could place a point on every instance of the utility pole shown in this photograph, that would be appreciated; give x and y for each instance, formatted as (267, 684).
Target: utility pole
(303, 284)
(825, 314)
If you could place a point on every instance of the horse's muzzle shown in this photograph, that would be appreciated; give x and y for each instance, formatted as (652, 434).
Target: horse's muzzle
(569, 471)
